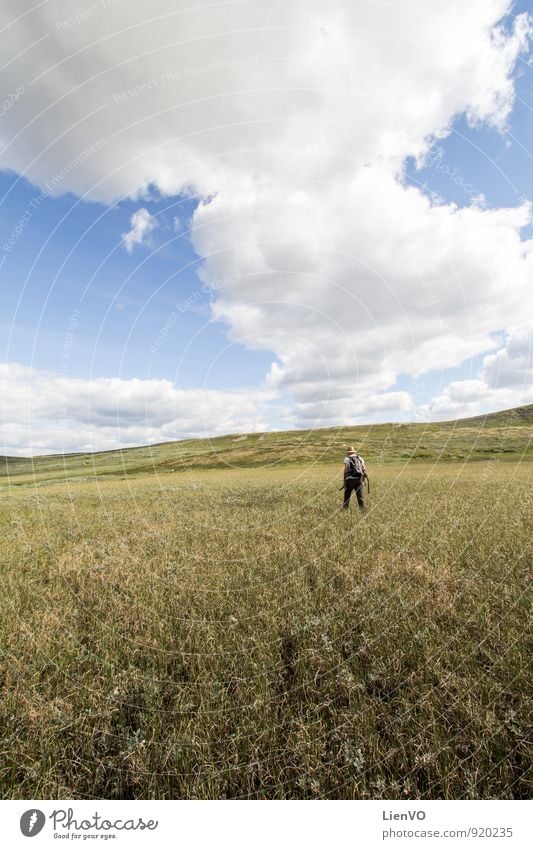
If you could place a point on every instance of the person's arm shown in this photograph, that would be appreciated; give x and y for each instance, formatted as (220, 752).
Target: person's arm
(344, 470)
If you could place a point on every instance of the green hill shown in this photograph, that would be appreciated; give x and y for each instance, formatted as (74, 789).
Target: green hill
(505, 418)
(507, 434)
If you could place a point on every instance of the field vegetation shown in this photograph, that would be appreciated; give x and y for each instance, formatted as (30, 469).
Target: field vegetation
(223, 630)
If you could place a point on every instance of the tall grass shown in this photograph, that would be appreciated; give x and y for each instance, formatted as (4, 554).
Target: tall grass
(235, 635)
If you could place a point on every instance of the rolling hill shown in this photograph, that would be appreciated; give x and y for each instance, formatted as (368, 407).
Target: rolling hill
(506, 434)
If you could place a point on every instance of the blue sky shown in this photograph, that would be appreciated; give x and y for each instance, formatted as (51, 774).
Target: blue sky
(70, 257)
(144, 314)
(481, 160)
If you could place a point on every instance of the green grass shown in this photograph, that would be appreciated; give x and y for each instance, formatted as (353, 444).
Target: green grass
(230, 634)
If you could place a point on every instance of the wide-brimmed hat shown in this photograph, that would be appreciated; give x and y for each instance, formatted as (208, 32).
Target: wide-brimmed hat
(350, 450)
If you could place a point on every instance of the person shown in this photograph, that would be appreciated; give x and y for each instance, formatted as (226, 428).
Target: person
(354, 475)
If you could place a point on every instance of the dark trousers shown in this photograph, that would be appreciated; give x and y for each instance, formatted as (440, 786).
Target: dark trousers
(353, 485)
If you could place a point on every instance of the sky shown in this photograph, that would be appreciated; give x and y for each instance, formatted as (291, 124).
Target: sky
(236, 216)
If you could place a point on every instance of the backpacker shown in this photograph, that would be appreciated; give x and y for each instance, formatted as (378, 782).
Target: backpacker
(355, 467)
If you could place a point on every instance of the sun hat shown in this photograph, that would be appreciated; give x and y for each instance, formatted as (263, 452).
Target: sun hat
(350, 450)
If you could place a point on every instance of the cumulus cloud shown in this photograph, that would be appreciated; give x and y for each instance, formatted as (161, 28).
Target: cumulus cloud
(347, 312)
(142, 224)
(368, 407)
(188, 97)
(45, 413)
(292, 123)
(504, 381)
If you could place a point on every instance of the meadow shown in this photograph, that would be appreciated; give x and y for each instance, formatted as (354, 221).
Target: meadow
(230, 633)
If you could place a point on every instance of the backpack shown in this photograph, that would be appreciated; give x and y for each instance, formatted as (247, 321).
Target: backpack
(355, 467)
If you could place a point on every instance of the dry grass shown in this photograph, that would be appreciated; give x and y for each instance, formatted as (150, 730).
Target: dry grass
(232, 634)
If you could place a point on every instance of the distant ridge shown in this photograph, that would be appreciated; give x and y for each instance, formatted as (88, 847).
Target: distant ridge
(508, 418)
(504, 435)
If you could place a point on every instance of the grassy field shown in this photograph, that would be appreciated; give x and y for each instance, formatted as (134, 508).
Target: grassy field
(230, 633)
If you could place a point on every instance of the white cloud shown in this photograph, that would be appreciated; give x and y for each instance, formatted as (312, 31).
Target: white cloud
(142, 224)
(292, 122)
(46, 413)
(346, 311)
(328, 412)
(187, 98)
(505, 381)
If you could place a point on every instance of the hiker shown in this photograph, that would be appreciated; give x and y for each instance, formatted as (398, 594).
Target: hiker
(354, 476)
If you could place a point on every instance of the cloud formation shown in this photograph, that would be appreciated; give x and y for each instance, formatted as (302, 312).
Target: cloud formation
(292, 123)
(142, 224)
(43, 412)
(504, 381)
